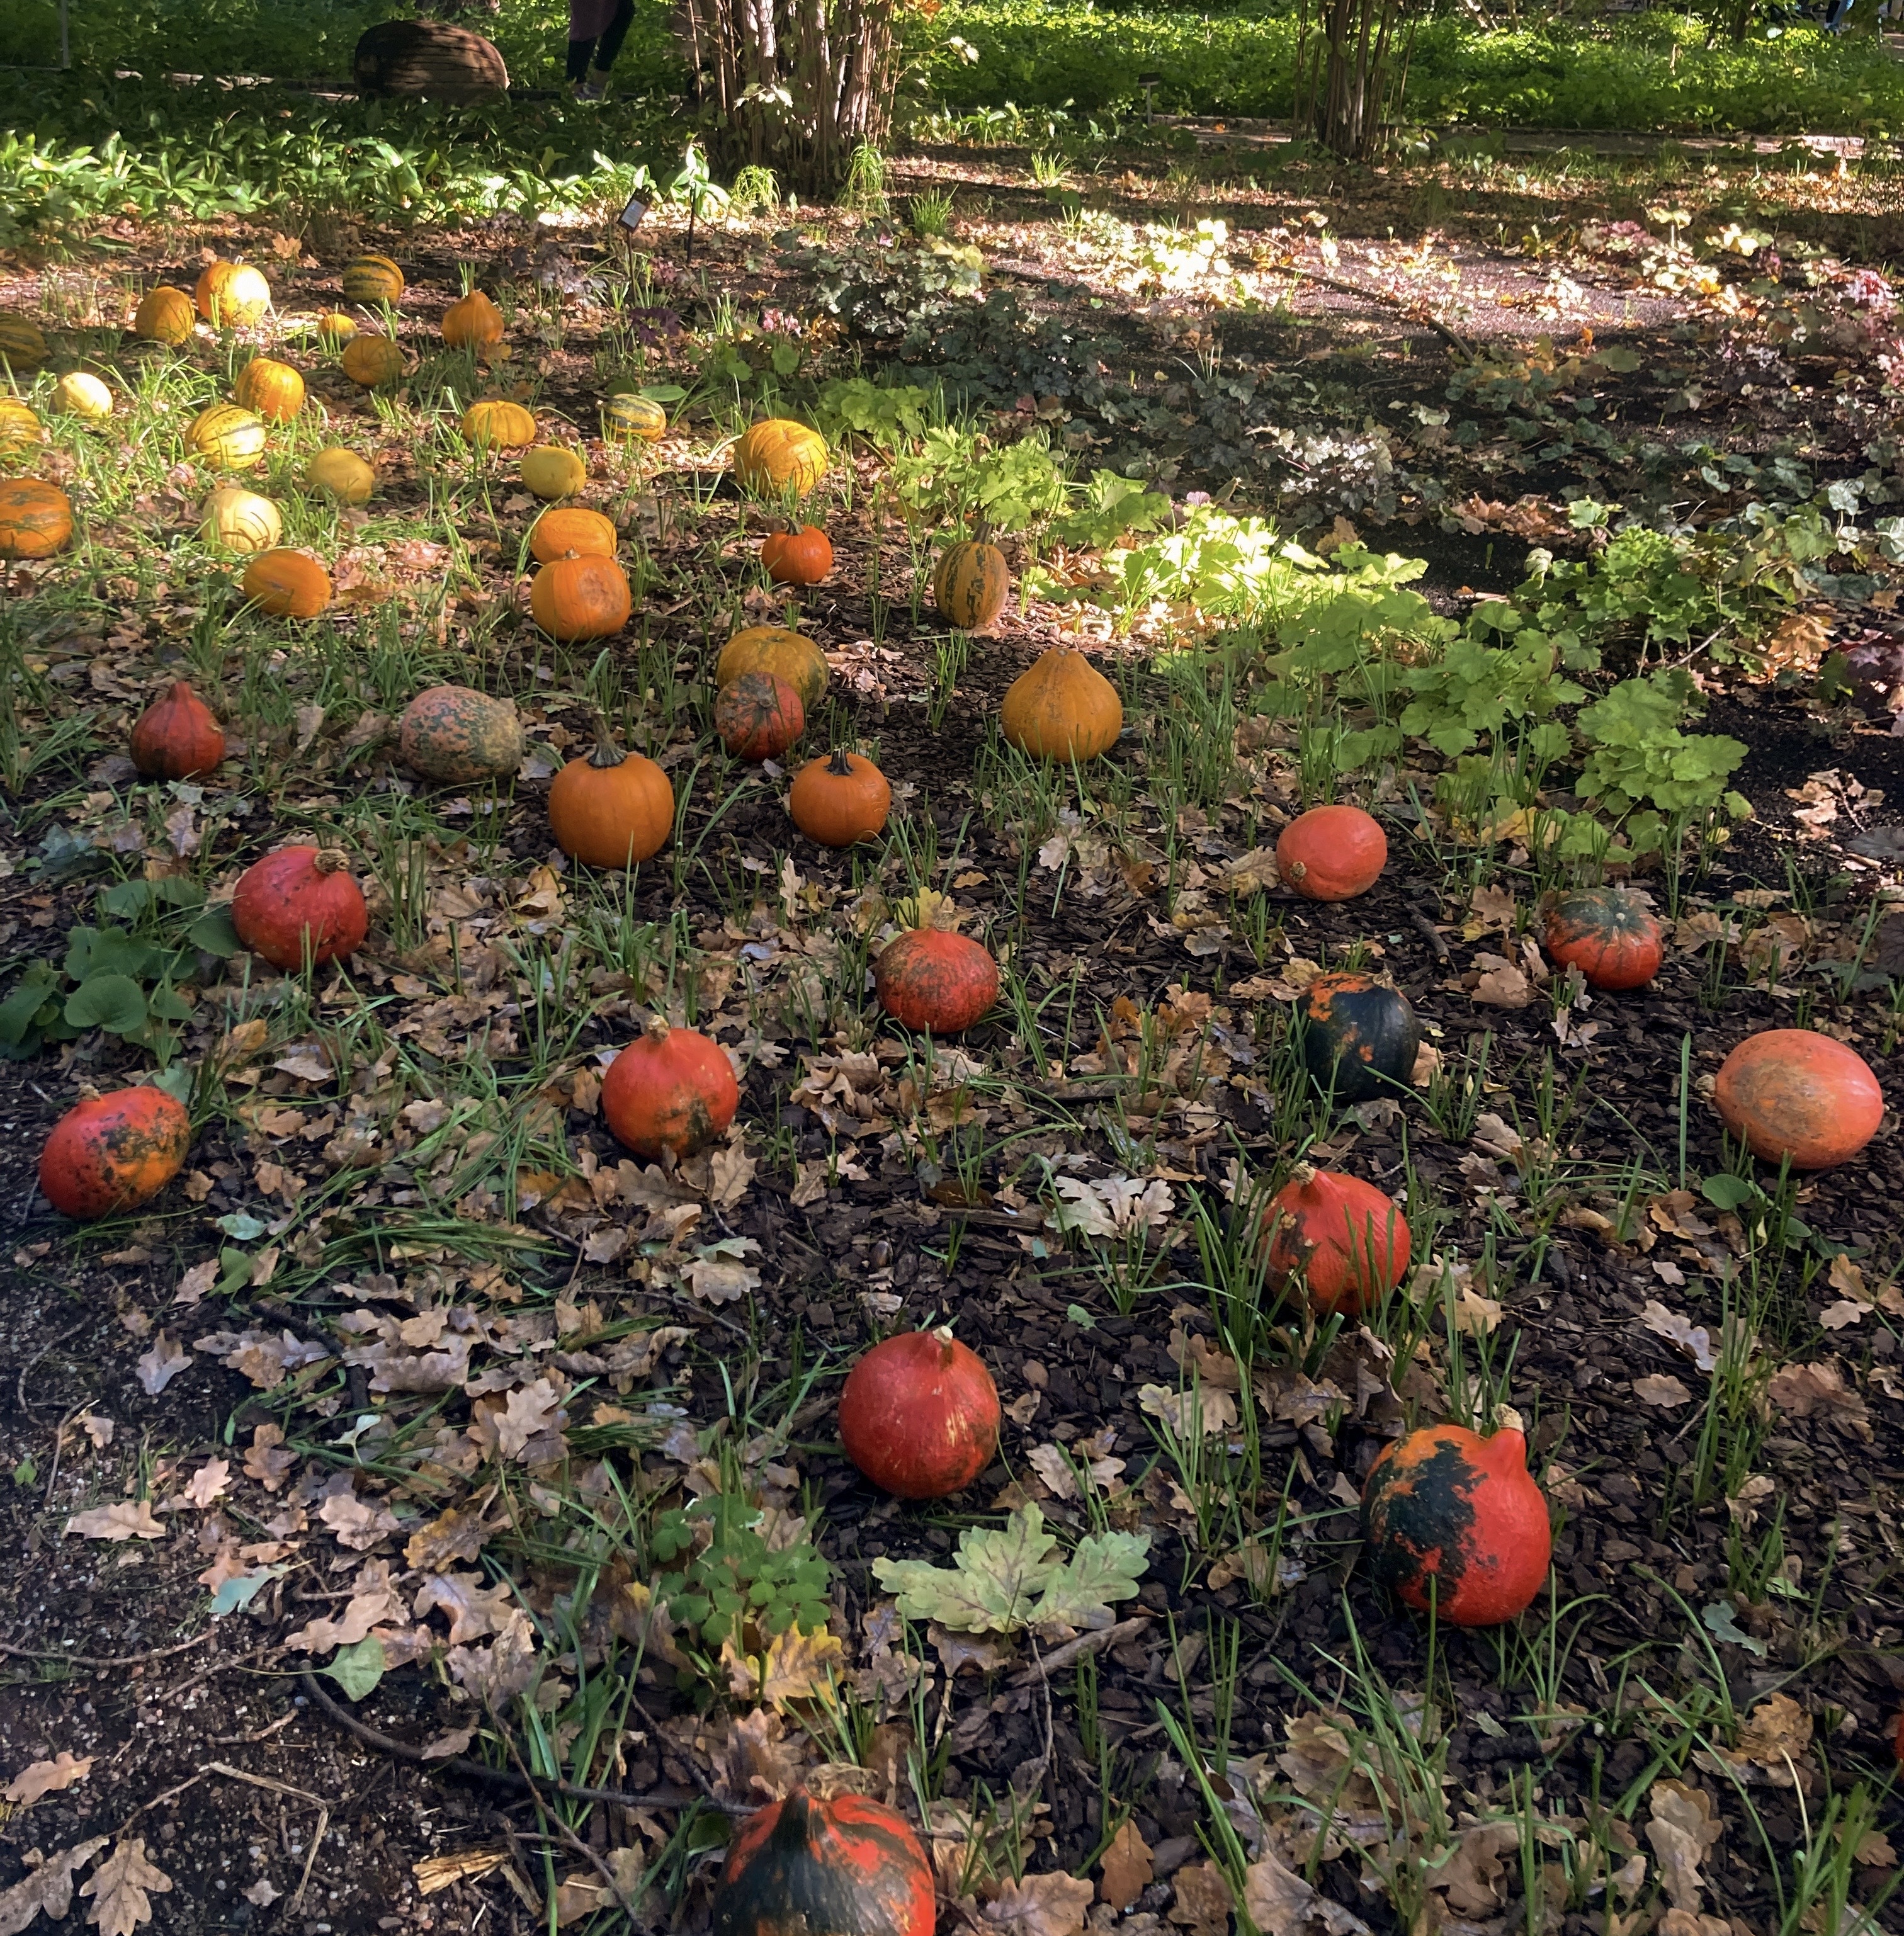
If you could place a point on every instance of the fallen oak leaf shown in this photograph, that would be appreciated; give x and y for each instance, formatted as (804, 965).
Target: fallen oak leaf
(1053, 1905)
(122, 1888)
(125, 1519)
(49, 1887)
(1127, 1868)
(46, 1777)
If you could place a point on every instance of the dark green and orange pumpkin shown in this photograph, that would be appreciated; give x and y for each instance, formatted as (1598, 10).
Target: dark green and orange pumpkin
(1360, 1037)
(114, 1152)
(460, 738)
(971, 585)
(1457, 1521)
(849, 1867)
(1609, 933)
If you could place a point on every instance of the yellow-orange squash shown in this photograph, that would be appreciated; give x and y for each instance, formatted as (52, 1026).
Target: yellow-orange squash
(1062, 708)
(495, 423)
(114, 1152)
(341, 474)
(581, 597)
(287, 584)
(612, 808)
(371, 360)
(83, 395)
(779, 456)
(1794, 1093)
(557, 533)
(20, 428)
(240, 520)
(232, 295)
(22, 344)
(274, 389)
(165, 315)
(971, 584)
(773, 648)
(459, 736)
(474, 323)
(372, 278)
(336, 328)
(552, 470)
(227, 436)
(671, 1091)
(36, 519)
(627, 418)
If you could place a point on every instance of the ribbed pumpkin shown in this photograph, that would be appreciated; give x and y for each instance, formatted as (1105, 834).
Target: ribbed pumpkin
(849, 1867)
(557, 533)
(1061, 707)
(227, 436)
(336, 328)
(232, 295)
(299, 897)
(612, 808)
(81, 393)
(1360, 1037)
(779, 456)
(458, 737)
(1457, 1521)
(165, 315)
(552, 470)
(20, 428)
(1609, 934)
(473, 323)
(1332, 853)
(114, 1152)
(581, 598)
(240, 520)
(1349, 1240)
(670, 1090)
(371, 360)
(1794, 1093)
(919, 1415)
(176, 737)
(341, 474)
(840, 798)
(22, 344)
(287, 584)
(626, 418)
(774, 649)
(971, 584)
(938, 983)
(495, 423)
(758, 716)
(372, 278)
(36, 519)
(274, 389)
(802, 557)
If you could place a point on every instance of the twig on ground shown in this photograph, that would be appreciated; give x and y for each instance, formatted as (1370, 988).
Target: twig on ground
(277, 1787)
(1094, 1642)
(26, 1370)
(311, 1857)
(567, 1835)
(116, 1660)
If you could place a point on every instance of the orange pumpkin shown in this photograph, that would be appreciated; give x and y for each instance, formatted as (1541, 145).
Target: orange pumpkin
(1609, 934)
(919, 1414)
(495, 423)
(1456, 1520)
(114, 1152)
(569, 529)
(936, 982)
(1062, 708)
(838, 799)
(165, 315)
(177, 738)
(803, 557)
(370, 360)
(779, 454)
(1794, 1093)
(1332, 853)
(787, 655)
(1346, 1239)
(36, 519)
(759, 717)
(300, 899)
(581, 598)
(612, 809)
(670, 1090)
(232, 295)
(287, 584)
(971, 585)
(474, 323)
(273, 389)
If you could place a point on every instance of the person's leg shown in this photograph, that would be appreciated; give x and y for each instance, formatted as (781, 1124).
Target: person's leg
(609, 45)
(579, 51)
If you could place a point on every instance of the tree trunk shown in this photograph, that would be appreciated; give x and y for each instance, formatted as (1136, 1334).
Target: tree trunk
(1348, 84)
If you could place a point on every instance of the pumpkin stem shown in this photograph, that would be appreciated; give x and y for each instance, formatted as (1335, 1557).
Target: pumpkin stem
(840, 765)
(89, 1092)
(332, 860)
(1303, 1175)
(607, 752)
(654, 1028)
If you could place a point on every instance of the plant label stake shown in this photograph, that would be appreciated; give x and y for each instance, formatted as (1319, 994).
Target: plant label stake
(632, 214)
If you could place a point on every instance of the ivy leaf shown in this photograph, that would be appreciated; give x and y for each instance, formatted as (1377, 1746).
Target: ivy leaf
(358, 1668)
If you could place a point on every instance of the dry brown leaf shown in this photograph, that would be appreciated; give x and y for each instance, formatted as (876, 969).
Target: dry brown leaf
(1682, 1827)
(1126, 1869)
(797, 1667)
(47, 1777)
(126, 1518)
(122, 1888)
(1280, 1903)
(1203, 1902)
(1472, 1874)
(1054, 1905)
(208, 1483)
(49, 1887)
(1819, 1391)
(1660, 1388)
(437, 1872)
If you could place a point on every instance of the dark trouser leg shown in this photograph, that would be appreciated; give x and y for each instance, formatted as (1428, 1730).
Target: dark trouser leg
(579, 51)
(609, 45)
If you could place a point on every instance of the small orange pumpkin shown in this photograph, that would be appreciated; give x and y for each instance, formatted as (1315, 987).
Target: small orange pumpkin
(803, 557)
(273, 389)
(919, 1414)
(971, 585)
(1332, 853)
(758, 716)
(1348, 1239)
(300, 898)
(612, 808)
(934, 982)
(114, 1152)
(1609, 934)
(1457, 1521)
(495, 423)
(232, 295)
(1794, 1093)
(670, 1090)
(165, 315)
(177, 738)
(474, 323)
(371, 360)
(579, 598)
(287, 584)
(36, 519)
(570, 529)
(838, 799)
(1062, 707)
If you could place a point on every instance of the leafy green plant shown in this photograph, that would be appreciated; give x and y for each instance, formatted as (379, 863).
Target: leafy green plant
(1638, 755)
(722, 1577)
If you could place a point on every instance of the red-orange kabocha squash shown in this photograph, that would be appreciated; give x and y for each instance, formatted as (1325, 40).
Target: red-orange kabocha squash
(758, 716)
(803, 557)
(300, 899)
(670, 1089)
(1350, 1241)
(936, 982)
(1609, 933)
(1452, 1516)
(919, 1415)
(840, 798)
(849, 1867)
(611, 809)
(176, 737)
(1332, 853)
(1794, 1093)
(114, 1152)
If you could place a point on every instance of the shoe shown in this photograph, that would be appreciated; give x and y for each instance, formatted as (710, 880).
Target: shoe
(591, 90)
